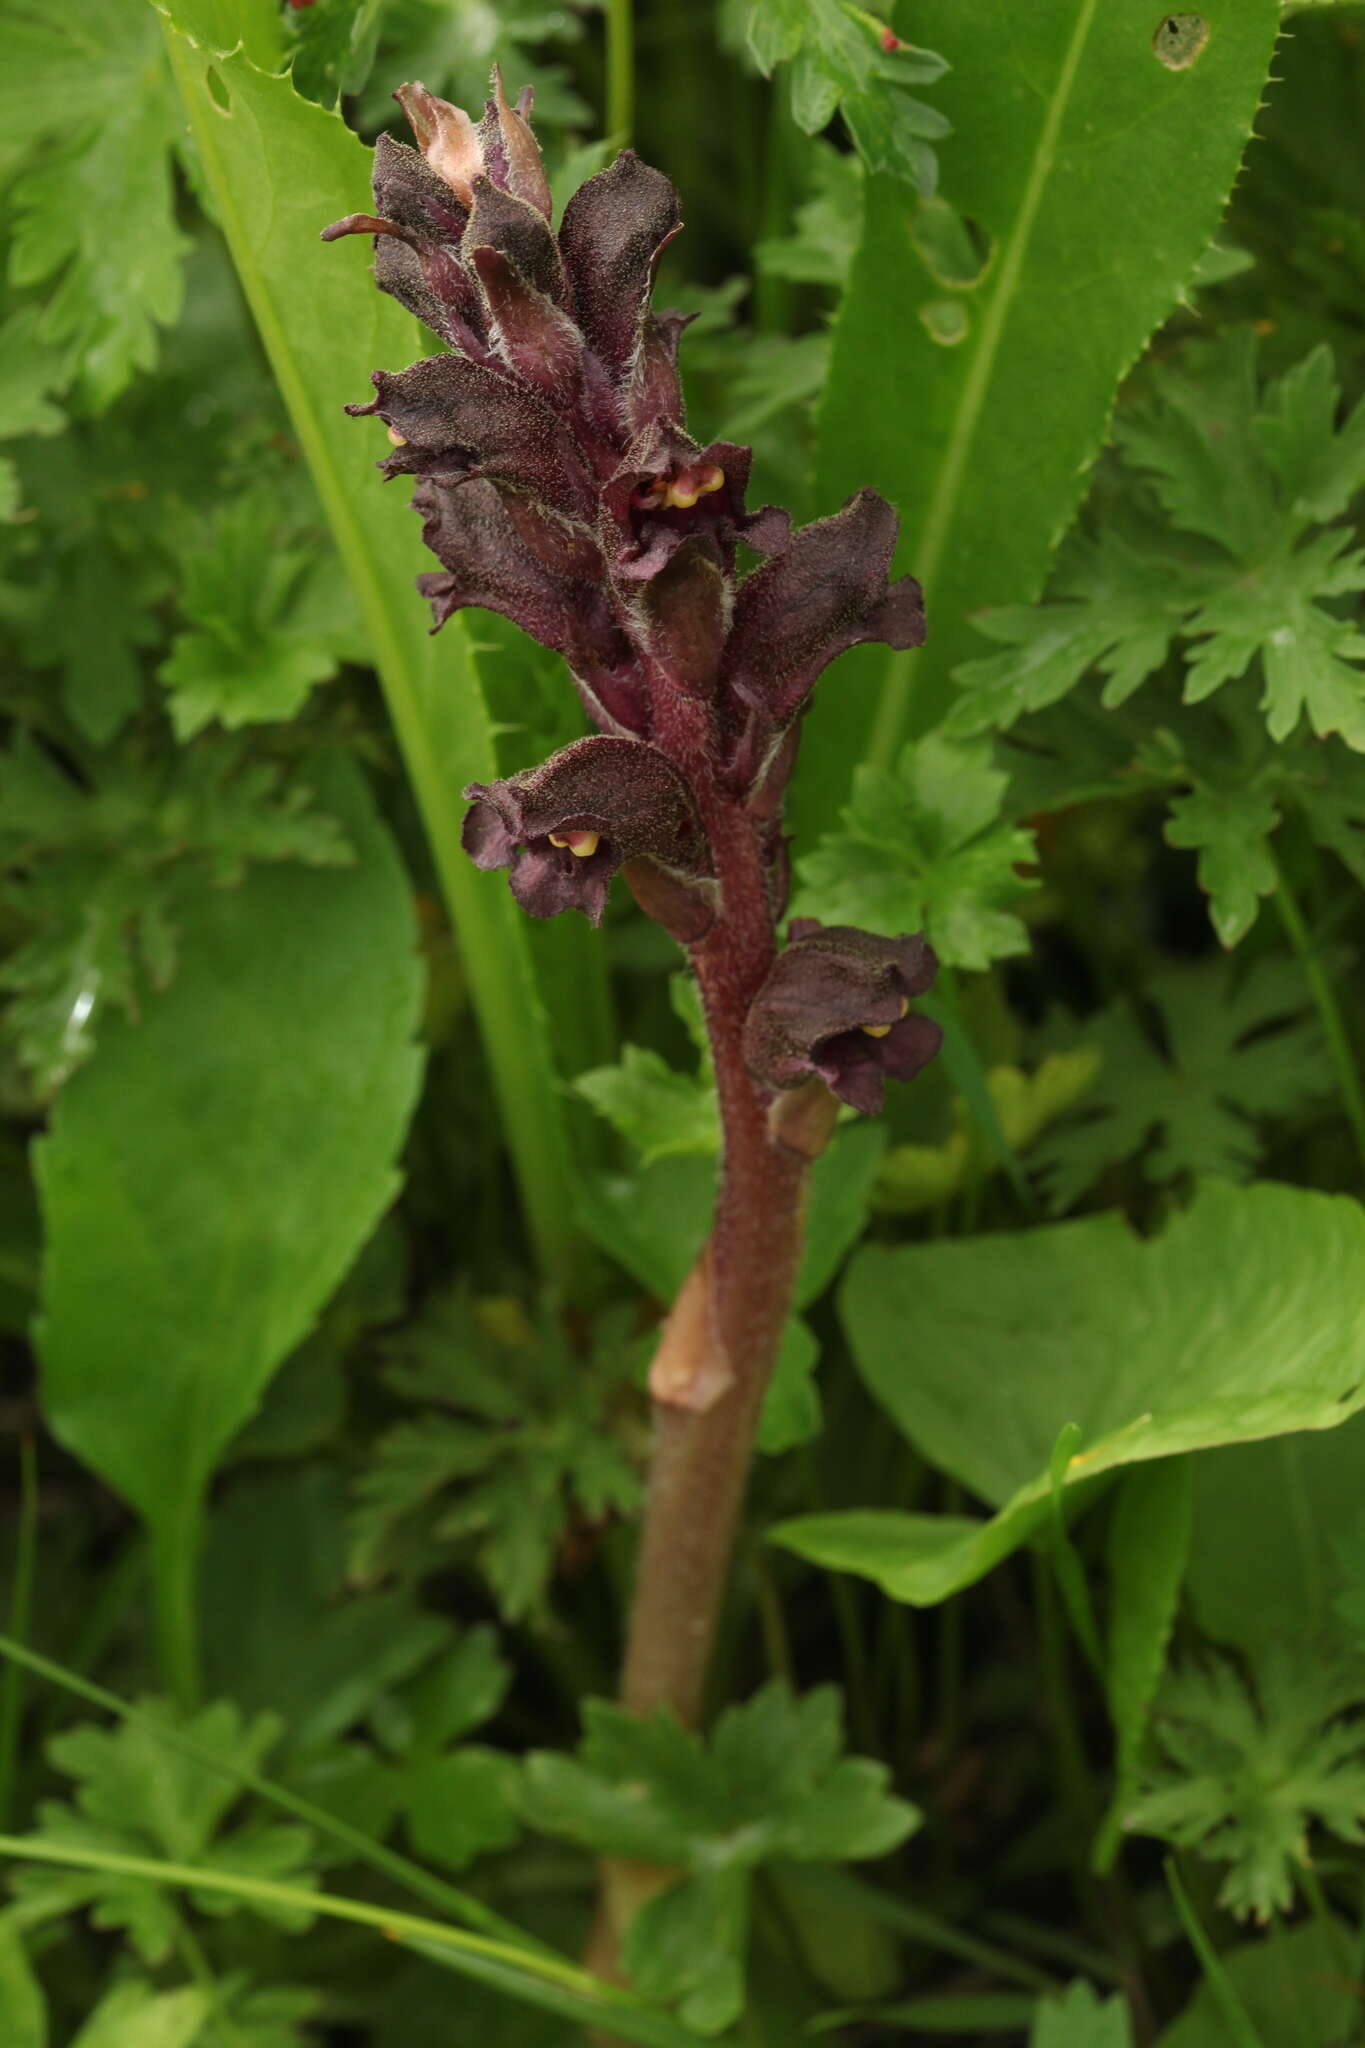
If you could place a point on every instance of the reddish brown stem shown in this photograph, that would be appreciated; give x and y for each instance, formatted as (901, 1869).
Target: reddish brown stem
(701, 1459)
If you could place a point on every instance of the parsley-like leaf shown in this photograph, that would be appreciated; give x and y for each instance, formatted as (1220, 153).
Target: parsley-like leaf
(94, 869)
(838, 64)
(271, 615)
(1243, 571)
(1234, 1047)
(96, 218)
(1242, 1777)
(925, 848)
(137, 1796)
(513, 1438)
(770, 1783)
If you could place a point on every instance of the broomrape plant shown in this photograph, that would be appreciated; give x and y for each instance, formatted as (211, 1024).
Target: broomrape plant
(456, 1324)
(558, 485)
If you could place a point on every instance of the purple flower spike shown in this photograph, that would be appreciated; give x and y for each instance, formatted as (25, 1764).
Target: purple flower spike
(837, 1004)
(564, 828)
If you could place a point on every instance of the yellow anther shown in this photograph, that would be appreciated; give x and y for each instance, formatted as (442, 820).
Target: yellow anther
(580, 844)
(684, 492)
(880, 1030)
(398, 440)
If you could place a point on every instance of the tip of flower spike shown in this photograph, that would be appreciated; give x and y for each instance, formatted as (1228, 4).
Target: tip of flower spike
(446, 137)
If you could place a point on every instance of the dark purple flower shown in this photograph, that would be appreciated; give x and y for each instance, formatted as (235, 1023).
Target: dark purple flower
(824, 593)
(837, 1004)
(564, 828)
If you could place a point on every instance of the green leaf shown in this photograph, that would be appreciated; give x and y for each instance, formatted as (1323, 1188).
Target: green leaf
(138, 1795)
(836, 63)
(655, 1108)
(511, 1434)
(1229, 469)
(270, 616)
(1096, 177)
(23, 2009)
(99, 210)
(925, 849)
(1079, 2018)
(770, 1784)
(209, 1177)
(1264, 1562)
(1242, 1320)
(1231, 828)
(136, 2015)
(1149, 1545)
(1236, 1047)
(1241, 1777)
(279, 169)
(462, 1805)
(1292, 1987)
(100, 872)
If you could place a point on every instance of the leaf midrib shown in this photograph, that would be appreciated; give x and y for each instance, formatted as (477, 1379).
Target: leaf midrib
(952, 469)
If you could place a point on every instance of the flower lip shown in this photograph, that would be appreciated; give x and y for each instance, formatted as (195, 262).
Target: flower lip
(837, 1004)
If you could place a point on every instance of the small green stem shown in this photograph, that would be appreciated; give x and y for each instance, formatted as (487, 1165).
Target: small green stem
(1221, 1987)
(620, 69)
(174, 1557)
(197, 1963)
(20, 1605)
(1329, 1011)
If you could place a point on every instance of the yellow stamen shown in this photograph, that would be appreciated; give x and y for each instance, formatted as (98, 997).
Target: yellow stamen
(580, 844)
(691, 485)
(880, 1030)
(398, 440)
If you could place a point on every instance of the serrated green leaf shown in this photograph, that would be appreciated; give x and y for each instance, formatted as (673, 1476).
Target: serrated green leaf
(511, 1433)
(99, 872)
(270, 615)
(1231, 469)
(1241, 1777)
(1242, 1320)
(658, 1110)
(136, 1794)
(226, 1207)
(462, 1805)
(1230, 828)
(1079, 2018)
(925, 849)
(770, 1784)
(1096, 178)
(837, 62)
(1236, 1047)
(99, 213)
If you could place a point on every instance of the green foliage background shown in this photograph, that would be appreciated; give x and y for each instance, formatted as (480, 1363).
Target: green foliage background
(339, 1204)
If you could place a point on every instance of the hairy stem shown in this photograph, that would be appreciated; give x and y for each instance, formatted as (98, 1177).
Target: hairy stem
(701, 1459)
(702, 1453)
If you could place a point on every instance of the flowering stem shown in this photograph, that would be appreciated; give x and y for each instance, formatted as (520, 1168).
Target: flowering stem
(620, 69)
